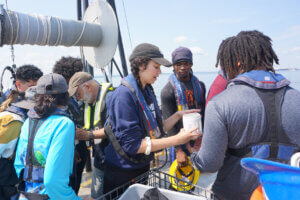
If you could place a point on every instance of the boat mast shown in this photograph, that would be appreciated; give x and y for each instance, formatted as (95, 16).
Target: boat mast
(120, 43)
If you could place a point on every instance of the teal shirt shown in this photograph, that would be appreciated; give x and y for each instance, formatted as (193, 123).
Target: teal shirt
(54, 149)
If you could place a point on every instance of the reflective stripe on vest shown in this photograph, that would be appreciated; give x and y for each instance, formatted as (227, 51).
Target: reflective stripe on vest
(87, 108)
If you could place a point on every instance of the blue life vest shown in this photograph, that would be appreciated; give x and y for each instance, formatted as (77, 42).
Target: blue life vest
(275, 144)
(152, 123)
(181, 99)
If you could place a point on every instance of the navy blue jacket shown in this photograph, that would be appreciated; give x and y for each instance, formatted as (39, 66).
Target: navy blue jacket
(125, 116)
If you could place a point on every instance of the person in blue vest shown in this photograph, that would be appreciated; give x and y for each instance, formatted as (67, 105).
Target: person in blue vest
(45, 153)
(84, 87)
(67, 67)
(135, 124)
(11, 120)
(183, 91)
(256, 116)
(26, 76)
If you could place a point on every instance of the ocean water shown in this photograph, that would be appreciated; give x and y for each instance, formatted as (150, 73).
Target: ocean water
(207, 78)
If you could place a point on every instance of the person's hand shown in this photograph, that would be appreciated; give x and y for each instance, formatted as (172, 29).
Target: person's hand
(81, 134)
(197, 145)
(181, 157)
(89, 198)
(77, 157)
(185, 136)
(181, 113)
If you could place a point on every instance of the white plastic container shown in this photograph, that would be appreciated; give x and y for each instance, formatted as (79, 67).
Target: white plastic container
(191, 121)
(137, 191)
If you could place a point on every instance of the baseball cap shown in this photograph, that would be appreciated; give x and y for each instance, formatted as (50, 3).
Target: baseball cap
(51, 84)
(77, 79)
(182, 54)
(28, 102)
(149, 51)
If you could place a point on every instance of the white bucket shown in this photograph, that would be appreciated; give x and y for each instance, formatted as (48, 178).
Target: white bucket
(191, 121)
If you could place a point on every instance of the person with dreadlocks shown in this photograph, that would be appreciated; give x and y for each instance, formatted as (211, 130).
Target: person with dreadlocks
(135, 124)
(254, 116)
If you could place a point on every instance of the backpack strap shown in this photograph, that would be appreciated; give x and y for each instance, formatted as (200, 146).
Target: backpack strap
(34, 125)
(116, 145)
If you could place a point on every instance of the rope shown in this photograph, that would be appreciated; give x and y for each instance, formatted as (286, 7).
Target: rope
(127, 25)
(49, 30)
(18, 26)
(28, 28)
(79, 38)
(58, 30)
(11, 39)
(11, 27)
(38, 29)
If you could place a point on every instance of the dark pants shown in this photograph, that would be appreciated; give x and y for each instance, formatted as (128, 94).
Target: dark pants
(83, 153)
(115, 176)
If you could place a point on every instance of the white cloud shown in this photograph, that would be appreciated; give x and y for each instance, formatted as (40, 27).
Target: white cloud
(197, 50)
(181, 38)
(291, 32)
(296, 49)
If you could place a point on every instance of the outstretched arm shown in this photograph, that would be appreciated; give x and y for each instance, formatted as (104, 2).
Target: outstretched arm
(158, 144)
(171, 121)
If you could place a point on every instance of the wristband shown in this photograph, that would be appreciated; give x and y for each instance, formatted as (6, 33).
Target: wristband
(148, 148)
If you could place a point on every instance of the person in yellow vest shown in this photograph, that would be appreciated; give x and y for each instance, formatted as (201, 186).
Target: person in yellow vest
(93, 94)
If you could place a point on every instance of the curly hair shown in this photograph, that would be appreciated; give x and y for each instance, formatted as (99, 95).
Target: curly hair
(28, 72)
(245, 52)
(135, 63)
(67, 66)
(45, 104)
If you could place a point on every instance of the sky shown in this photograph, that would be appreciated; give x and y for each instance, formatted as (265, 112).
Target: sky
(197, 24)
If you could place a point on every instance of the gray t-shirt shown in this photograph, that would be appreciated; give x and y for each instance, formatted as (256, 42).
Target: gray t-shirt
(234, 119)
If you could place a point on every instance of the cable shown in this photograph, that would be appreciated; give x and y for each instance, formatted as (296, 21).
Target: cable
(11, 70)
(127, 24)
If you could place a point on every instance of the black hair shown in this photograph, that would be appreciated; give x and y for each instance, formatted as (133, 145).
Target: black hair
(45, 104)
(68, 66)
(28, 72)
(135, 64)
(251, 49)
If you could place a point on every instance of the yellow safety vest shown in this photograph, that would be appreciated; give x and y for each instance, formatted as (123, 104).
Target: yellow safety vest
(97, 112)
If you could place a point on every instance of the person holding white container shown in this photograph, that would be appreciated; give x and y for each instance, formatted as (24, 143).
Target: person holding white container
(184, 91)
(135, 124)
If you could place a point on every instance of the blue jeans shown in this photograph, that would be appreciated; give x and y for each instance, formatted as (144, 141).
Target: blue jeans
(97, 183)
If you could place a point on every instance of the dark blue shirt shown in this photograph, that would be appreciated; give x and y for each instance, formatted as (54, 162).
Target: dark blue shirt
(125, 116)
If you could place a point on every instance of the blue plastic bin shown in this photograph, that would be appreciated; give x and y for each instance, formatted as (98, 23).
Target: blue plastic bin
(279, 181)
